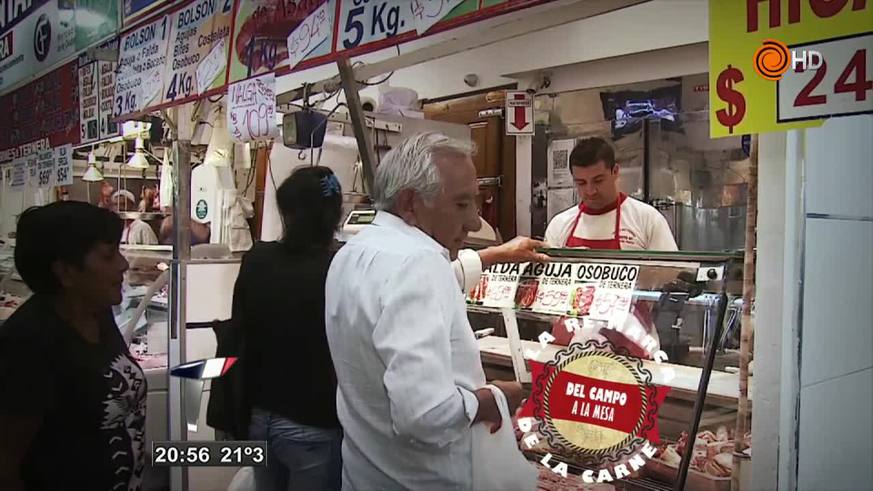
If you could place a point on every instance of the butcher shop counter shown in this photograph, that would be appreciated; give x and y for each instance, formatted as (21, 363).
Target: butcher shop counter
(720, 404)
(723, 386)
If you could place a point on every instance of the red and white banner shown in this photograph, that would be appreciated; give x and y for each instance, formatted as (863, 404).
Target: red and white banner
(42, 115)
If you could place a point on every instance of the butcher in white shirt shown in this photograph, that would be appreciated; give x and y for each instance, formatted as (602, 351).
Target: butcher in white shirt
(606, 218)
(410, 379)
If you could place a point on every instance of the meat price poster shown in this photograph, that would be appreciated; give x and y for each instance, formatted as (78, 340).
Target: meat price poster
(96, 94)
(260, 38)
(174, 58)
(497, 286)
(778, 69)
(142, 58)
(601, 292)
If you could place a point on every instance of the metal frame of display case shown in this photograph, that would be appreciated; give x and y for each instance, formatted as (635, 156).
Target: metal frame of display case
(641, 257)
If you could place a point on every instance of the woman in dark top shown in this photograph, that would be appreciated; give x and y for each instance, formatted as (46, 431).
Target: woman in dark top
(278, 304)
(72, 399)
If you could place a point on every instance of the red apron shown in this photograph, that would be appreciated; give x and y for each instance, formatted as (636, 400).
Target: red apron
(614, 243)
(640, 311)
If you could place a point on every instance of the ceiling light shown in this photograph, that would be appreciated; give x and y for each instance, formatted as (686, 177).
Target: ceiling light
(92, 174)
(138, 160)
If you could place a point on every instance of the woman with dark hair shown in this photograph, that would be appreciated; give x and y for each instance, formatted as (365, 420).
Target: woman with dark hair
(72, 399)
(278, 306)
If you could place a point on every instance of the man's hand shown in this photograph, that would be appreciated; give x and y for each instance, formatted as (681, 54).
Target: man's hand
(488, 411)
(512, 391)
(517, 250)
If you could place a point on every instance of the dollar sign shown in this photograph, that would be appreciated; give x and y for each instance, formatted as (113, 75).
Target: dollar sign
(736, 103)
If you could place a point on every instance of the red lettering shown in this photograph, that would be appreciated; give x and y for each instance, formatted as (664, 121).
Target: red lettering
(821, 8)
(793, 11)
(752, 14)
(827, 8)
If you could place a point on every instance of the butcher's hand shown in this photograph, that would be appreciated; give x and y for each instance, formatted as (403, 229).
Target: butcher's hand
(517, 250)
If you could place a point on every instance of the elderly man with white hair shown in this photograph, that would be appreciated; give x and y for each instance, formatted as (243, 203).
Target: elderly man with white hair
(410, 379)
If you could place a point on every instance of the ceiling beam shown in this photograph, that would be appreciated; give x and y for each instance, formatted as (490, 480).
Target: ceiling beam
(563, 13)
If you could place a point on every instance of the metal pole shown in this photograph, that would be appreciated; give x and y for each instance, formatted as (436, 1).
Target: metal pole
(359, 125)
(702, 388)
(178, 288)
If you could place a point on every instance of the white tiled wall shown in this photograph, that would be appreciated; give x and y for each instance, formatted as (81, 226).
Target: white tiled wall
(837, 299)
(836, 428)
(839, 167)
(836, 369)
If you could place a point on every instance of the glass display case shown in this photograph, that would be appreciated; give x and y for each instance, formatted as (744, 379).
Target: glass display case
(682, 307)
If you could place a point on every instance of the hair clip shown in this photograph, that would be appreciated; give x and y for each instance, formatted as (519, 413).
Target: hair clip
(329, 186)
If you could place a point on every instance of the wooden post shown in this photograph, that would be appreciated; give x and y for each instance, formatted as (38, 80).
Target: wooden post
(262, 157)
(747, 328)
(359, 124)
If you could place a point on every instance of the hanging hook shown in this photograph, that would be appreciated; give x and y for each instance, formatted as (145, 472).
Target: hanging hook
(306, 87)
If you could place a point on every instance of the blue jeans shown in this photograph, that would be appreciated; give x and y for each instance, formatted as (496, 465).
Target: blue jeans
(299, 457)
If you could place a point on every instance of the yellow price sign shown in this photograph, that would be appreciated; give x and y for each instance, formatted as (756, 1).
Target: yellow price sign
(781, 64)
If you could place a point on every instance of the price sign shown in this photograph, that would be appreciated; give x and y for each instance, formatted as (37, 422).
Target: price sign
(198, 49)
(603, 291)
(63, 165)
(106, 84)
(611, 305)
(88, 103)
(842, 85)
(261, 32)
(18, 179)
(497, 286)
(211, 67)
(313, 31)
(32, 171)
(142, 57)
(545, 288)
(764, 64)
(45, 168)
(427, 13)
(365, 21)
(252, 109)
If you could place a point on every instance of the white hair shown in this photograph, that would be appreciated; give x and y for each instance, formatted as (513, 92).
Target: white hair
(412, 165)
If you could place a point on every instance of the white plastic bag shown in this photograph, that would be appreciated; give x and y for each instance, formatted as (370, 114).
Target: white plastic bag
(243, 480)
(497, 461)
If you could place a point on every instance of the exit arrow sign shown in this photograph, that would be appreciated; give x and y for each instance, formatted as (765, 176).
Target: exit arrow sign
(519, 113)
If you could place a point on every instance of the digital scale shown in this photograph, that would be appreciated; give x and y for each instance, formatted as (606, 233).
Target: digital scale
(356, 221)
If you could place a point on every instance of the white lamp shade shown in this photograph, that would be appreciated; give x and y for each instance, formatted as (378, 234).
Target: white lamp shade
(93, 174)
(138, 160)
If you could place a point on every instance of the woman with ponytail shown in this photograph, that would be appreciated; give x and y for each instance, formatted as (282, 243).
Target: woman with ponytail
(278, 307)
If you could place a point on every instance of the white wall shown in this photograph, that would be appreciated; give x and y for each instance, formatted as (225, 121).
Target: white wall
(835, 429)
